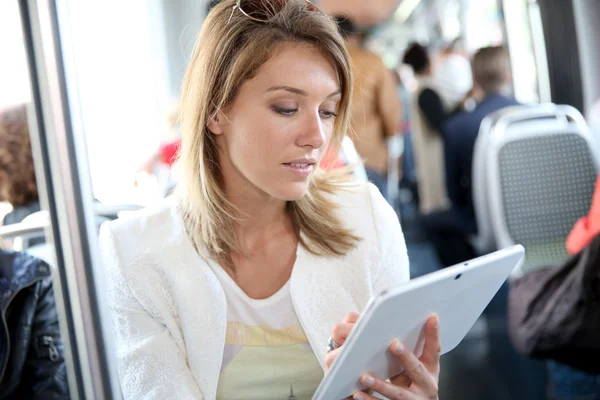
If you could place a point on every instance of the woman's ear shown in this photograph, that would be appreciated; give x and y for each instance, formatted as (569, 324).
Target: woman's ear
(215, 125)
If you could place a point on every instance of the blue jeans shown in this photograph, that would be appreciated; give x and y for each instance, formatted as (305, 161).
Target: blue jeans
(571, 384)
(378, 180)
(408, 160)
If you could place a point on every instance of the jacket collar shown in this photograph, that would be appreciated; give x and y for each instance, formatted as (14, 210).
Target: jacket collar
(17, 271)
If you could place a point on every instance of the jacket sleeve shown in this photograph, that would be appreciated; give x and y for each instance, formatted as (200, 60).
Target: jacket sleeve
(432, 107)
(150, 362)
(393, 263)
(45, 374)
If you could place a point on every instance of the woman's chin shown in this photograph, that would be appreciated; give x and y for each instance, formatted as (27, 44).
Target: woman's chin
(293, 191)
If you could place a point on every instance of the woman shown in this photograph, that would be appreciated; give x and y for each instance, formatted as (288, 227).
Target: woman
(230, 289)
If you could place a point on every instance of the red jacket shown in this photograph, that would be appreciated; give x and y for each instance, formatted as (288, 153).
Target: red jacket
(586, 228)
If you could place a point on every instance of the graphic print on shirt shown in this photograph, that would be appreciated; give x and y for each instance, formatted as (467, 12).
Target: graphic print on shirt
(268, 363)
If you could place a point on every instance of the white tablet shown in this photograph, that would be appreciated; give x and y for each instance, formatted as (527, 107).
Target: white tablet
(458, 295)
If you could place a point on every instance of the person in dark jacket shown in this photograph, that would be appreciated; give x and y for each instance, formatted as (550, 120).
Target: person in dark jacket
(32, 364)
(449, 230)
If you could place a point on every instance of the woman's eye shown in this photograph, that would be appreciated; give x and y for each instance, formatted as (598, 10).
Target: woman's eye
(328, 114)
(284, 110)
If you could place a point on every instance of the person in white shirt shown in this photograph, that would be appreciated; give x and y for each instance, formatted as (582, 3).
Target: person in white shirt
(453, 72)
(247, 281)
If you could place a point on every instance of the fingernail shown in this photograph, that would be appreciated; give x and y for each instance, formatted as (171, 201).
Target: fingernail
(436, 323)
(399, 347)
(357, 396)
(368, 380)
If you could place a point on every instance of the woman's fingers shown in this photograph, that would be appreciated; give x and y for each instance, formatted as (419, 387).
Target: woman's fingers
(384, 388)
(340, 332)
(401, 380)
(330, 358)
(415, 370)
(351, 318)
(433, 346)
(419, 379)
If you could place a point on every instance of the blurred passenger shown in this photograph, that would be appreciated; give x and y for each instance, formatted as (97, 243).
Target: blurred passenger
(208, 290)
(409, 174)
(431, 106)
(375, 108)
(454, 69)
(31, 349)
(161, 163)
(449, 230)
(17, 174)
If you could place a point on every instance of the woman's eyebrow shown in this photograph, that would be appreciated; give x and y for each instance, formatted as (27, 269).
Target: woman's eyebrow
(287, 89)
(298, 91)
(339, 91)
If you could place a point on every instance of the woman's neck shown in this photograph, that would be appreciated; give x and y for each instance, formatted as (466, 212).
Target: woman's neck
(262, 218)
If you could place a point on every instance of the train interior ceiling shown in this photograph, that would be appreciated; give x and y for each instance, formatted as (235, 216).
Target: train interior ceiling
(100, 82)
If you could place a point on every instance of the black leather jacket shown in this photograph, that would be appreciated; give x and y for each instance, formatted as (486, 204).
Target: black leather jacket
(31, 352)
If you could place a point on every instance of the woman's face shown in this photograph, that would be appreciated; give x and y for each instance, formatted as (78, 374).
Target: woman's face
(274, 133)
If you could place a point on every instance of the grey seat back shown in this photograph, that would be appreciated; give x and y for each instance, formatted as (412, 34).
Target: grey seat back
(542, 173)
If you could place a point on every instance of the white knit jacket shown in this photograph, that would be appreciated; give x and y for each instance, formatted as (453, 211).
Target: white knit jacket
(169, 310)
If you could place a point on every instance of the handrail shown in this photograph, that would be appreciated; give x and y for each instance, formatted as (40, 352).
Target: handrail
(22, 229)
(549, 110)
(37, 226)
(108, 210)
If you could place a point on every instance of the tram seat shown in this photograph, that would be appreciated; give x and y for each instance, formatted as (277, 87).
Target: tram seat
(541, 167)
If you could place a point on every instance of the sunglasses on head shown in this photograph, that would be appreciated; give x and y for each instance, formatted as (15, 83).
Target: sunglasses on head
(263, 10)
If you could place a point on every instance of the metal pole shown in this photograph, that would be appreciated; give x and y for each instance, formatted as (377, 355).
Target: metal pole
(539, 49)
(65, 191)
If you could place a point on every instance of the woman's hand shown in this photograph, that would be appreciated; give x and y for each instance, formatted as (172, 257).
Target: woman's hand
(419, 380)
(339, 334)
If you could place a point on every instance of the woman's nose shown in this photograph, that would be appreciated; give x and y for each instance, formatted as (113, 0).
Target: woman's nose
(313, 135)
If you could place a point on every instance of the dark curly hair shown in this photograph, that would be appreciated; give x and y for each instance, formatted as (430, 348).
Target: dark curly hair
(417, 57)
(17, 175)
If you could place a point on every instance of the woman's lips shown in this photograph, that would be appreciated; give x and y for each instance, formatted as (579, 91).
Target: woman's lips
(302, 169)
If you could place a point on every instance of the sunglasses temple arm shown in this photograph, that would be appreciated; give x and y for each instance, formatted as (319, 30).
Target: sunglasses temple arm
(231, 15)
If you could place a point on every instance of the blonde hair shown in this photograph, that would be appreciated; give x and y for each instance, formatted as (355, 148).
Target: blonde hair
(229, 50)
(491, 66)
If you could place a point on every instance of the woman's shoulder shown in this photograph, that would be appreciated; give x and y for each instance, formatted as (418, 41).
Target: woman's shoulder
(148, 230)
(363, 208)
(164, 211)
